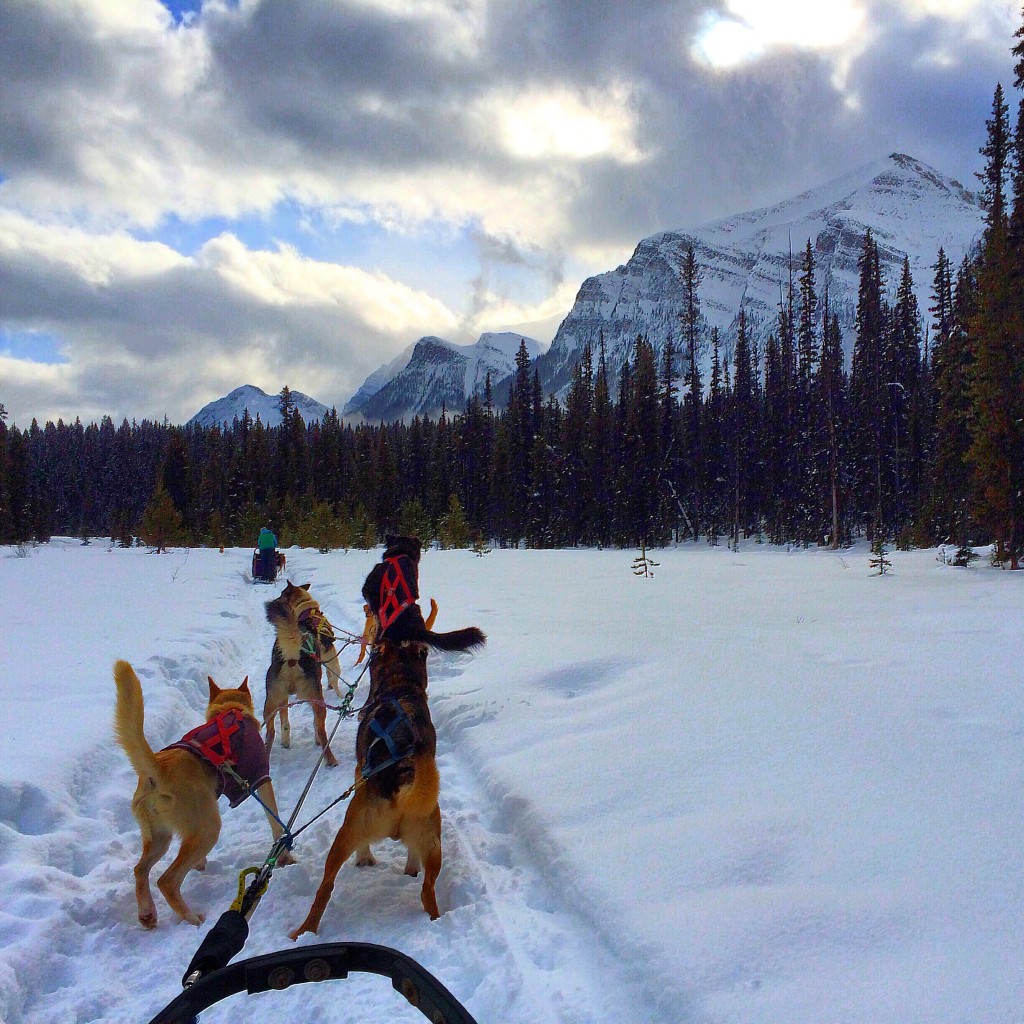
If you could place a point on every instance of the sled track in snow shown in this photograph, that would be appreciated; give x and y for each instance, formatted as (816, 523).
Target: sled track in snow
(509, 944)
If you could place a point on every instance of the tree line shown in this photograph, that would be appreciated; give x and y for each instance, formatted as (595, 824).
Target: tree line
(918, 441)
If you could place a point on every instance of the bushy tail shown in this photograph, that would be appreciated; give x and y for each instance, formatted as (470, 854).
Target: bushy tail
(128, 720)
(467, 639)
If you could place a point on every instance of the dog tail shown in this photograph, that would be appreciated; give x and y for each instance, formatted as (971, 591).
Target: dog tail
(468, 639)
(128, 720)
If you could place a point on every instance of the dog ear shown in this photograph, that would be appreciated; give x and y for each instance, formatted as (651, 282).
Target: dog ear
(245, 685)
(214, 688)
(306, 586)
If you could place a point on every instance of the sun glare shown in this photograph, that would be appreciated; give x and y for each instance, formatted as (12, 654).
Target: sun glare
(560, 123)
(757, 25)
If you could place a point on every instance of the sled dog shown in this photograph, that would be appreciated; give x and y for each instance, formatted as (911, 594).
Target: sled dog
(397, 781)
(303, 647)
(179, 785)
(391, 592)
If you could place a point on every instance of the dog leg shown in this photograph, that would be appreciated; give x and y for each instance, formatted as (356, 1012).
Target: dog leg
(194, 849)
(270, 709)
(154, 846)
(330, 662)
(365, 857)
(350, 836)
(422, 838)
(266, 794)
(320, 727)
(286, 728)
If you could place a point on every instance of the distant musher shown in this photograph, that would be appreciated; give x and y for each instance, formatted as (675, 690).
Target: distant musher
(264, 559)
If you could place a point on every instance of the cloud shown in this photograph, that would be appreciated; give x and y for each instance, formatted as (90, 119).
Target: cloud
(149, 332)
(549, 142)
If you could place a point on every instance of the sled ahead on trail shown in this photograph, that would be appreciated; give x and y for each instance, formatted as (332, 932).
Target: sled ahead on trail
(264, 565)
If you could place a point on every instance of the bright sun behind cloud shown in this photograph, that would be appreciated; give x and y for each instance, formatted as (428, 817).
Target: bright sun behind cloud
(755, 26)
(561, 123)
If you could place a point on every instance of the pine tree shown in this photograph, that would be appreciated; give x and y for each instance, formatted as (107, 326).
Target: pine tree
(161, 522)
(868, 396)
(997, 376)
(691, 323)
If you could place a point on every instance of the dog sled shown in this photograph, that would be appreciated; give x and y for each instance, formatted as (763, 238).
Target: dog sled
(265, 565)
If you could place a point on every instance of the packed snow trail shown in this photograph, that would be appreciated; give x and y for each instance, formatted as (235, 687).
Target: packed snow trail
(506, 944)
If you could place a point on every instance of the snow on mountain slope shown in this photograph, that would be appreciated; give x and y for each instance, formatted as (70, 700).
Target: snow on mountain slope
(436, 374)
(910, 208)
(258, 402)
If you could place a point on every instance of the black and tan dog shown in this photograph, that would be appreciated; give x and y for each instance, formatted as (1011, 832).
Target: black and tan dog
(397, 783)
(392, 592)
(179, 785)
(303, 647)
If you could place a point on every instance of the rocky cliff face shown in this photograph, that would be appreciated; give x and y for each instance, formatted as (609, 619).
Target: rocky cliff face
(435, 374)
(910, 208)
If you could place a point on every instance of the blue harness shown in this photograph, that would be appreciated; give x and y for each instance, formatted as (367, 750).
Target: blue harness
(386, 735)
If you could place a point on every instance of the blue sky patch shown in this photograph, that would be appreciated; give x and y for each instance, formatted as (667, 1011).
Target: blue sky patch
(34, 346)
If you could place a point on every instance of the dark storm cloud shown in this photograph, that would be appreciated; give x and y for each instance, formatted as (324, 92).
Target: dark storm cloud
(926, 87)
(48, 62)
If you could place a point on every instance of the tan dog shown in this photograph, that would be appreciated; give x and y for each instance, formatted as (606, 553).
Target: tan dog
(303, 647)
(179, 786)
(397, 782)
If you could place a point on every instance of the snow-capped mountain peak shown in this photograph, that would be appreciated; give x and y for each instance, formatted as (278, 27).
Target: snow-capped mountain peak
(436, 374)
(911, 209)
(258, 402)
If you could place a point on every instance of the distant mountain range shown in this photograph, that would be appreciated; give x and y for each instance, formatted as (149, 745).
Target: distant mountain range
(748, 259)
(259, 403)
(435, 374)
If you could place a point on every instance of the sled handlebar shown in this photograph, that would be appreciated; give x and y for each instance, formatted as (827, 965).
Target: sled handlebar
(330, 961)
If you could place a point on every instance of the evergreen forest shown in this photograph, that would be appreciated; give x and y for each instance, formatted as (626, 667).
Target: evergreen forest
(918, 439)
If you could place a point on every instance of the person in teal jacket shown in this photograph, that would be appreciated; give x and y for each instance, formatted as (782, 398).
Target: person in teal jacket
(265, 562)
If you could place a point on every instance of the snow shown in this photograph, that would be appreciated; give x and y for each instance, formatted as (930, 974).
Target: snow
(762, 786)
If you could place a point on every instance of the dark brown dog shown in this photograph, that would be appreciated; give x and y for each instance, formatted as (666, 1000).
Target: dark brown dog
(294, 671)
(397, 782)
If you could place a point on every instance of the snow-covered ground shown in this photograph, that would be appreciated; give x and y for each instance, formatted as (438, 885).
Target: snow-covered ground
(760, 787)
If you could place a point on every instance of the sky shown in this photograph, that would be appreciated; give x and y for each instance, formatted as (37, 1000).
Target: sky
(200, 194)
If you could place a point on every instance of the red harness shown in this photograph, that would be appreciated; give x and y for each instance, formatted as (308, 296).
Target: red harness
(395, 593)
(230, 739)
(215, 744)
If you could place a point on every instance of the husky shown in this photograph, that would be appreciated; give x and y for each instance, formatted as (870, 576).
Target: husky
(303, 647)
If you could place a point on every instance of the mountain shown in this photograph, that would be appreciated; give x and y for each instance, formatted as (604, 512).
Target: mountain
(910, 208)
(435, 374)
(259, 403)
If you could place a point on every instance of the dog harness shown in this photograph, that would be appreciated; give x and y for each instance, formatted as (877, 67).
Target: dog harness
(233, 739)
(385, 734)
(315, 630)
(395, 593)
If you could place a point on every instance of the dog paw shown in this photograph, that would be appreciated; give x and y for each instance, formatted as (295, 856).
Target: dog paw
(201, 866)
(301, 930)
(148, 919)
(367, 861)
(287, 858)
(331, 760)
(193, 918)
